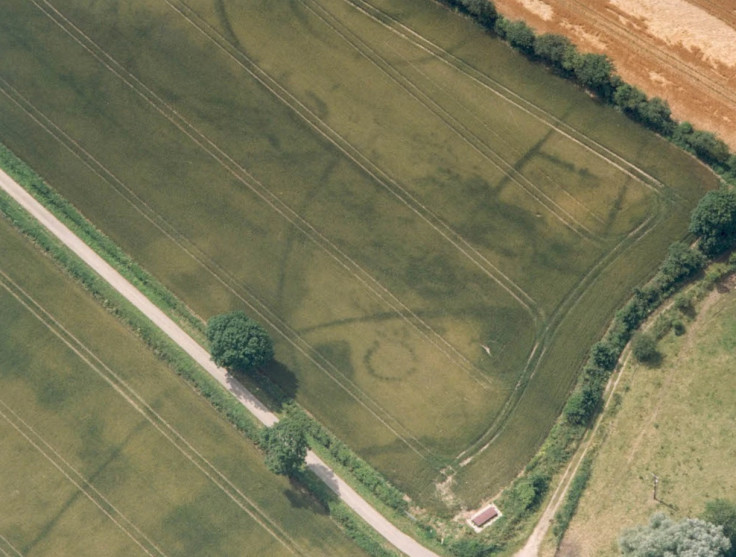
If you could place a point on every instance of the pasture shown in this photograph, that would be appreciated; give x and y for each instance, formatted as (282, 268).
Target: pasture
(675, 421)
(433, 229)
(105, 451)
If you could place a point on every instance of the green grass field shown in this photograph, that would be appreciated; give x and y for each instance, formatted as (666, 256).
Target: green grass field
(675, 421)
(105, 451)
(387, 188)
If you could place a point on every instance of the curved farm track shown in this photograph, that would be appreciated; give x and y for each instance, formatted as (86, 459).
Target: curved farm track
(696, 78)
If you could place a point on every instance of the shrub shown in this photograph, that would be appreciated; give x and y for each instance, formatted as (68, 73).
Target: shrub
(683, 303)
(603, 355)
(708, 147)
(520, 36)
(629, 99)
(644, 348)
(583, 404)
(656, 114)
(681, 263)
(594, 72)
(577, 487)
(553, 49)
(483, 11)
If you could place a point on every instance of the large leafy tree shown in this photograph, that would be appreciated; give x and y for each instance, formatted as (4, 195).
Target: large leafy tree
(714, 221)
(663, 537)
(238, 342)
(722, 512)
(285, 445)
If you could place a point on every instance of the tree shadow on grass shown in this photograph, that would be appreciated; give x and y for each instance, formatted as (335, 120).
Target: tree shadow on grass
(653, 361)
(300, 498)
(274, 384)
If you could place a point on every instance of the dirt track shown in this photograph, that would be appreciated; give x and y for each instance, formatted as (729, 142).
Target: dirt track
(681, 50)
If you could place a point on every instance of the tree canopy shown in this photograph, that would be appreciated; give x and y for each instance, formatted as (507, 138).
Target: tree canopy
(663, 537)
(286, 446)
(713, 221)
(594, 71)
(553, 49)
(238, 342)
(722, 512)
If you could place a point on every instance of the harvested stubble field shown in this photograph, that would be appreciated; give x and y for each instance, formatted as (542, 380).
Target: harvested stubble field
(675, 421)
(680, 50)
(384, 186)
(105, 451)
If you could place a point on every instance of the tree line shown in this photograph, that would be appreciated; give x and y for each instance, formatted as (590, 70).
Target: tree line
(596, 73)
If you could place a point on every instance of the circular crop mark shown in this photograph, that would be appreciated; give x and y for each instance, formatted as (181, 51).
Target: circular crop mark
(390, 360)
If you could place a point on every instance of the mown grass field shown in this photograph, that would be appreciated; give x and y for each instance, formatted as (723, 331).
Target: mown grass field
(105, 451)
(388, 189)
(675, 421)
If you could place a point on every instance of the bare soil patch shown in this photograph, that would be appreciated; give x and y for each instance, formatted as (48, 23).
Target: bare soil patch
(680, 50)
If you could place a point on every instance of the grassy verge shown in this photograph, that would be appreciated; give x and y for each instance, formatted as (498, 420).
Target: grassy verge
(673, 421)
(574, 493)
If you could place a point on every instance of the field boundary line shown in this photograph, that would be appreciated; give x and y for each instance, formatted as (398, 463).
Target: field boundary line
(291, 216)
(363, 509)
(407, 199)
(142, 407)
(516, 99)
(14, 549)
(451, 122)
(78, 483)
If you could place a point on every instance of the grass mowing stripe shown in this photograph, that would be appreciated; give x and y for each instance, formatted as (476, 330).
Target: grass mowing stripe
(412, 442)
(142, 407)
(462, 132)
(510, 96)
(74, 477)
(400, 193)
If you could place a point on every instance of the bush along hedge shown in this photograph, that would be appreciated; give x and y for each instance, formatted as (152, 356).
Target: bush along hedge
(577, 487)
(379, 486)
(596, 74)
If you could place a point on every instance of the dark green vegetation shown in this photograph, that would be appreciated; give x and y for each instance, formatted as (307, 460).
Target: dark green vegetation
(285, 444)
(722, 512)
(644, 348)
(431, 261)
(577, 487)
(714, 221)
(237, 342)
(106, 451)
(664, 537)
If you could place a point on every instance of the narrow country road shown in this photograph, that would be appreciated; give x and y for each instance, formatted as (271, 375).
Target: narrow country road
(396, 537)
